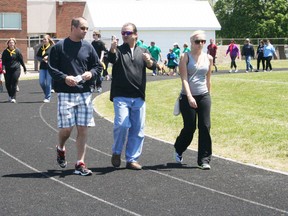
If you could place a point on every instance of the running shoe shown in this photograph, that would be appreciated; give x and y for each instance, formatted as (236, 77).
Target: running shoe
(61, 160)
(82, 170)
(178, 158)
(204, 166)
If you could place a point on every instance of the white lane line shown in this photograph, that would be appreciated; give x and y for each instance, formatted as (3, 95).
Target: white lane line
(67, 185)
(250, 80)
(182, 180)
(211, 189)
(220, 192)
(157, 172)
(228, 159)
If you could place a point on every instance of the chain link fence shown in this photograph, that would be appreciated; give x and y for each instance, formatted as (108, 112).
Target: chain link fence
(32, 45)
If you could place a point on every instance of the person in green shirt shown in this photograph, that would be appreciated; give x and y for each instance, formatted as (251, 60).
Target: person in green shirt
(140, 43)
(177, 52)
(155, 52)
(186, 48)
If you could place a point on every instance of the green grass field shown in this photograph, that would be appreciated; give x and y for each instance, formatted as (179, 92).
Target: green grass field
(249, 115)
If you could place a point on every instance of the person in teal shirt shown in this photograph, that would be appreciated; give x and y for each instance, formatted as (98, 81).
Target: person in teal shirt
(177, 52)
(140, 43)
(186, 48)
(155, 52)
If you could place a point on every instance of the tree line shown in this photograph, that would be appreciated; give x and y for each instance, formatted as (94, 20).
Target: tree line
(252, 18)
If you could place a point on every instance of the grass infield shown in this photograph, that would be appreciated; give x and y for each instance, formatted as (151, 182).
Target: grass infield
(249, 116)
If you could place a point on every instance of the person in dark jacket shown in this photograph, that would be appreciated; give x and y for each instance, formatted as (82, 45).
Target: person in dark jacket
(74, 66)
(260, 56)
(45, 79)
(128, 95)
(12, 59)
(100, 49)
(248, 52)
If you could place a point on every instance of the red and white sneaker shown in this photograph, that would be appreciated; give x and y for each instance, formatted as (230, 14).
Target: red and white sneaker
(82, 170)
(61, 159)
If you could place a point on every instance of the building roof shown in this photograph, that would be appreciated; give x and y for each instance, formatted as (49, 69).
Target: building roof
(152, 14)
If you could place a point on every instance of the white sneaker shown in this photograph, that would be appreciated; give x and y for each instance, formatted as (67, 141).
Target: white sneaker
(230, 70)
(236, 71)
(204, 166)
(46, 101)
(52, 91)
(178, 158)
(247, 71)
(13, 101)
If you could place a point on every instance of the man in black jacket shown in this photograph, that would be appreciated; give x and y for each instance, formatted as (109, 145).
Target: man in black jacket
(128, 95)
(74, 66)
(248, 52)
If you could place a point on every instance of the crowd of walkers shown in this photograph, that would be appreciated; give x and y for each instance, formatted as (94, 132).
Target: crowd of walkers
(73, 68)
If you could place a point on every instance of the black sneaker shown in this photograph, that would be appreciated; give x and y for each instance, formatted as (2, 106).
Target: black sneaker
(61, 160)
(81, 169)
(116, 160)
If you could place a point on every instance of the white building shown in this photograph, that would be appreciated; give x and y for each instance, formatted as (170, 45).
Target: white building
(162, 21)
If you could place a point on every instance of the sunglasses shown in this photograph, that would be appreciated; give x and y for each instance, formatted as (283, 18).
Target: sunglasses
(198, 41)
(83, 28)
(127, 33)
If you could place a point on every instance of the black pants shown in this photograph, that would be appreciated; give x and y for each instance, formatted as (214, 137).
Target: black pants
(268, 62)
(189, 116)
(11, 81)
(260, 59)
(105, 73)
(106, 62)
(233, 62)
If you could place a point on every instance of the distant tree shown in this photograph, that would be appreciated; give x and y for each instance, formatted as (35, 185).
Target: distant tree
(252, 18)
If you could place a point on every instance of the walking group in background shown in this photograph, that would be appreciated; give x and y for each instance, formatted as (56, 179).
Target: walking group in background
(76, 67)
(265, 52)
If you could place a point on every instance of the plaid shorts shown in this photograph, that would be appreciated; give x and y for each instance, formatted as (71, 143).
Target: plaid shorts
(75, 109)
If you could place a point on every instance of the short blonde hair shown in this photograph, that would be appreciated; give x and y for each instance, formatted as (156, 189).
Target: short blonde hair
(196, 33)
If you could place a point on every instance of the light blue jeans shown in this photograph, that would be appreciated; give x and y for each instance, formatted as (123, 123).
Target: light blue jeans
(129, 124)
(45, 81)
(248, 63)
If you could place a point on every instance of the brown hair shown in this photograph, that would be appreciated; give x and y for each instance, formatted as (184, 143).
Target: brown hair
(11, 39)
(133, 26)
(76, 22)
